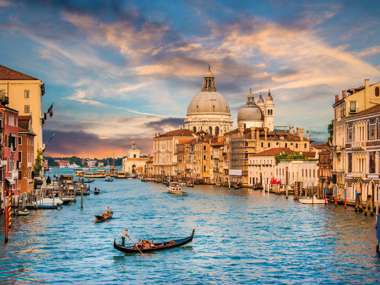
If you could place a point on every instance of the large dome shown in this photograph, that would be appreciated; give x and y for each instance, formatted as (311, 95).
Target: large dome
(208, 111)
(207, 102)
(250, 113)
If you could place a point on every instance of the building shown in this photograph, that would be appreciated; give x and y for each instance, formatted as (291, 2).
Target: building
(355, 142)
(62, 163)
(165, 153)
(25, 95)
(284, 167)
(208, 111)
(134, 163)
(9, 152)
(26, 154)
(243, 143)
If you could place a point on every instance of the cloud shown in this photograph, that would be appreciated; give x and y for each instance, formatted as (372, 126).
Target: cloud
(4, 3)
(67, 143)
(82, 97)
(374, 50)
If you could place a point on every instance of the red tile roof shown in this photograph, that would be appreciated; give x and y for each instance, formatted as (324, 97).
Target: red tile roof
(273, 151)
(177, 133)
(7, 73)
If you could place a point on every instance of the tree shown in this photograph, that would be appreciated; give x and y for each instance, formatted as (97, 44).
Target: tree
(330, 129)
(38, 164)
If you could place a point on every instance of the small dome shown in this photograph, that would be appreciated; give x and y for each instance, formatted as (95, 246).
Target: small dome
(208, 102)
(250, 113)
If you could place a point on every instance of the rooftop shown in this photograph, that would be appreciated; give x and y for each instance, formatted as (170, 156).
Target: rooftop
(7, 73)
(177, 133)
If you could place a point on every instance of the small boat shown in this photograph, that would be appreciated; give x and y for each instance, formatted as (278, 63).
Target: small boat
(87, 180)
(189, 184)
(68, 199)
(153, 246)
(49, 203)
(108, 179)
(312, 200)
(107, 214)
(176, 189)
(22, 212)
(96, 191)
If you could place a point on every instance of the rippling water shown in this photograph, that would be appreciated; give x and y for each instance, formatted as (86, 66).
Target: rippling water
(241, 237)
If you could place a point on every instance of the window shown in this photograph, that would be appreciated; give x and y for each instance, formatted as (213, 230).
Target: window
(372, 129)
(216, 130)
(26, 109)
(349, 159)
(305, 146)
(353, 107)
(194, 129)
(20, 140)
(210, 130)
(26, 94)
(213, 108)
(349, 132)
(372, 163)
(269, 144)
(377, 91)
(19, 156)
(286, 145)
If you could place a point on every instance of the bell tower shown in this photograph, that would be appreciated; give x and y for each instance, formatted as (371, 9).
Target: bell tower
(209, 81)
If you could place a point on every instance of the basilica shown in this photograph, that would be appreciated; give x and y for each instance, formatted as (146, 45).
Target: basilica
(209, 112)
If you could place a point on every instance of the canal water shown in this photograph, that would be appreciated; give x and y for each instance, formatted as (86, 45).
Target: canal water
(242, 237)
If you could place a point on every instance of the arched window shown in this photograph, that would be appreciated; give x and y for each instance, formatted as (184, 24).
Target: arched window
(210, 130)
(194, 129)
(377, 91)
(217, 131)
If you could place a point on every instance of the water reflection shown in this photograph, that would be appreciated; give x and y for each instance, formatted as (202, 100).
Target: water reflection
(241, 237)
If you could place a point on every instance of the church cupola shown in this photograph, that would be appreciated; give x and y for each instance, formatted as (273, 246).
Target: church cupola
(209, 81)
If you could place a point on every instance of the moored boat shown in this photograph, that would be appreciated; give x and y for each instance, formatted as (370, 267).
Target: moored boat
(312, 200)
(149, 246)
(22, 212)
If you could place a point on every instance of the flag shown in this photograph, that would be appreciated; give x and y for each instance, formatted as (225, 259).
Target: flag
(50, 110)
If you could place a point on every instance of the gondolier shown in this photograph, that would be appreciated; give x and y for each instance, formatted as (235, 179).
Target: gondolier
(124, 235)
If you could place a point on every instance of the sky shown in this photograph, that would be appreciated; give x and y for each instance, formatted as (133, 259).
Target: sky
(120, 72)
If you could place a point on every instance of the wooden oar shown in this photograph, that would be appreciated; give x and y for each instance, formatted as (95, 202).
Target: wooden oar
(136, 246)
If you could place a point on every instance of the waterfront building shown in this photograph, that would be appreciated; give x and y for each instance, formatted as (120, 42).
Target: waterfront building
(164, 151)
(25, 95)
(208, 111)
(26, 154)
(356, 140)
(244, 143)
(134, 163)
(284, 167)
(9, 151)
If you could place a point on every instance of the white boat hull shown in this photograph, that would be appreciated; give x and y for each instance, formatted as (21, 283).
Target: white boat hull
(312, 201)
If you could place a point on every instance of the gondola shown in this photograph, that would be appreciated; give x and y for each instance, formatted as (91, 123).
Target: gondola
(104, 217)
(96, 191)
(156, 246)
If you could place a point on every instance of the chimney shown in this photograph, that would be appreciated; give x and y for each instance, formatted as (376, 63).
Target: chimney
(366, 83)
(301, 133)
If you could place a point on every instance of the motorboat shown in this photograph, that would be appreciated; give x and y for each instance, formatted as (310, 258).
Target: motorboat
(48, 203)
(176, 189)
(312, 200)
(108, 179)
(22, 212)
